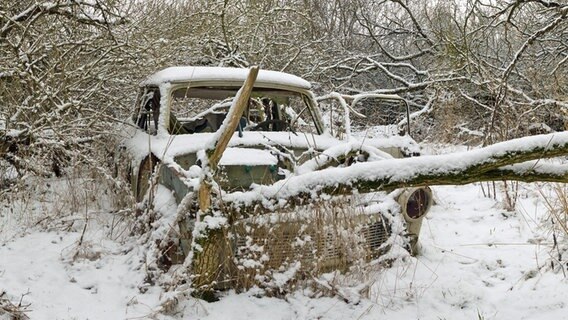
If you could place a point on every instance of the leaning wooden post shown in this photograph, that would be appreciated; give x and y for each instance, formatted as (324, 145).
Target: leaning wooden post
(209, 250)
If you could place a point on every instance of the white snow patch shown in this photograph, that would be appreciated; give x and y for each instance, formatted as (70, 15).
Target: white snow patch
(33, 267)
(247, 156)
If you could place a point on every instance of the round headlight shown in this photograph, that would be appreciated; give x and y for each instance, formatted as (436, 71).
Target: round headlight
(418, 203)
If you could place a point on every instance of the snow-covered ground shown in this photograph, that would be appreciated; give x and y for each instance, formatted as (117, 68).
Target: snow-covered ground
(478, 261)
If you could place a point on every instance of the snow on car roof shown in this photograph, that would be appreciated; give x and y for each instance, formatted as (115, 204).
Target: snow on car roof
(237, 76)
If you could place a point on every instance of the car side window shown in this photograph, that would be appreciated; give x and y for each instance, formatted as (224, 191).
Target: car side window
(149, 110)
(296, 110)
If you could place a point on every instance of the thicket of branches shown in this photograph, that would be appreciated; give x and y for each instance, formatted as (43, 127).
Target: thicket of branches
(483, 69)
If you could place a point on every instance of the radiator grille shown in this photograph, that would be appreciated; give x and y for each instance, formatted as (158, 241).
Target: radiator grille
(375, 235)
(318, 246)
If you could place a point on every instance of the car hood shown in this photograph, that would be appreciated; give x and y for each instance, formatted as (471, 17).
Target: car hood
(169, 146)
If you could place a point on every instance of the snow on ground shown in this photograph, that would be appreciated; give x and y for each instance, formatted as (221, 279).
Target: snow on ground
(478, 261)
(103, 285)
(61, 263)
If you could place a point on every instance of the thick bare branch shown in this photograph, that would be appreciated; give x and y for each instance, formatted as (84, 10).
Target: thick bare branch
(495, 162)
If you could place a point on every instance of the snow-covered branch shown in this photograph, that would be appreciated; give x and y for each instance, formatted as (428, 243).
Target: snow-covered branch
(511, 160)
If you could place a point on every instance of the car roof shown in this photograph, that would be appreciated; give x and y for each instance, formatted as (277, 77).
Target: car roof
(212, 76)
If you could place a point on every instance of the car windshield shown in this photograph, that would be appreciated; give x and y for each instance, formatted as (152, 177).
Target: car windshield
(203, 109)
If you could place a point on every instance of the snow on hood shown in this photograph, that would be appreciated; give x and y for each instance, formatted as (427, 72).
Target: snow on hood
(219, 74)
(168, 147)
(247, 156)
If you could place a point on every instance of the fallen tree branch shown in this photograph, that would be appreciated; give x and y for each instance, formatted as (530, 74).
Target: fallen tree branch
(501, 161)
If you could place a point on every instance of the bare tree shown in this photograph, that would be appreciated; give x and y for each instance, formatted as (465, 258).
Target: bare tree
(502, 63)
(59, 60)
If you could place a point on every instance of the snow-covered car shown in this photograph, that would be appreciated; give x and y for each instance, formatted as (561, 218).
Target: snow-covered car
(179, 113)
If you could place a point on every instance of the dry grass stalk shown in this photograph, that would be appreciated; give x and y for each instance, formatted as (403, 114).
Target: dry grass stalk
(557, 224)
(11, 311)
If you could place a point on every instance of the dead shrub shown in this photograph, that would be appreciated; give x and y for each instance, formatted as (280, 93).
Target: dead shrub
(12, 311)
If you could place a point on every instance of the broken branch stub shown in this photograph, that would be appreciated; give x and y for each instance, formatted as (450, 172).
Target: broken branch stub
(209, 250)
(231, 122)
(223, 136)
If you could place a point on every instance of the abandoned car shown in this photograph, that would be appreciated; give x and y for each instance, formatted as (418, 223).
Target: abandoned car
(282, 133)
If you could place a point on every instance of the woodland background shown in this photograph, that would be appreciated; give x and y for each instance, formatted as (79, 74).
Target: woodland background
(474, 71)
